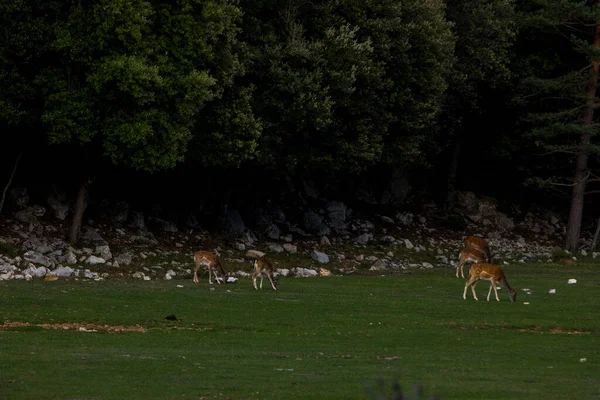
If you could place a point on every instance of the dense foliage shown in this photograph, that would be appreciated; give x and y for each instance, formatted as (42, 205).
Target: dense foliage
(305, 87)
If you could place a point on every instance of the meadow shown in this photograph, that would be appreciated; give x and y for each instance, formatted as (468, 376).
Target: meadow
(316, 338)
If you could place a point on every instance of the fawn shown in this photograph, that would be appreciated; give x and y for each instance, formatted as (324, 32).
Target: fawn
(492, 273)
(477, 243)
(213, 264)
(469, 254)
(263, 266)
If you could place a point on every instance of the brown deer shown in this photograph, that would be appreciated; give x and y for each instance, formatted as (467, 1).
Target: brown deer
(492, 273)
(477, 243)
(263, 266)
(212, 262)
(469, 254)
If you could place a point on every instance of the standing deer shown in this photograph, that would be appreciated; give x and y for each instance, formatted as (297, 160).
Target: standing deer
(492, 273)
(263, 266)
(213, 264)
(477, 243)
(469, 254)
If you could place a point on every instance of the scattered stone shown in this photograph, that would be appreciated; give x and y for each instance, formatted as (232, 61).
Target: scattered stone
(93, 260)
(320, 257)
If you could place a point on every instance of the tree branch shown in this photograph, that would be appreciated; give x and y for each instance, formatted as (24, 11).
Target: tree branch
(12, 175)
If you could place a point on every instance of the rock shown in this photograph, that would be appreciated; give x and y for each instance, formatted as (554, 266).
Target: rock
(63, 272)
(275, 248)
(58, 203)
(104, 252)
(324, 272)
(408, 244)
(304, 272)
(272, 232)
(405, 218)
(37, 258)
(138, 275)
(254, 254)
(320, 257)
(7, 276)
(364, 238)
(337, 214)
(93, 260)
(379, 265)
(36, 245)
(26, 216)
(290, 248)
(313, 222)
(89, 274)
(325, 241)
(90, 237)
(387, 219)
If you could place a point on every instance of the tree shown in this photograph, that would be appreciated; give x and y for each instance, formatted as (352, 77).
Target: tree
(561, 94)
(127, 79)
(485, 31)
(346, 85)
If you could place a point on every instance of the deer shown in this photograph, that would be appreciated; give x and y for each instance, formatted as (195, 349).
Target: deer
(469, 254)
(492, 273)
(263, 266)
(477, 243)
(212, 262)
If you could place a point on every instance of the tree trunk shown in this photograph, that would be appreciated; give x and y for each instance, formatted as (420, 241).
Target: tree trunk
(12, 175)
(595, 240)
(581, 161)
(79, 210)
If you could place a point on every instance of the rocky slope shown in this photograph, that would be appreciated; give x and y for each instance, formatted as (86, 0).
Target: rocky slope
(327, 241)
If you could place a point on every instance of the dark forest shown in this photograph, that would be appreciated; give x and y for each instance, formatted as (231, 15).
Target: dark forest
(203, 106)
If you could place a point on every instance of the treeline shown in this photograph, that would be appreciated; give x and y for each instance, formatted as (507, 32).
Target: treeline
(325, 88)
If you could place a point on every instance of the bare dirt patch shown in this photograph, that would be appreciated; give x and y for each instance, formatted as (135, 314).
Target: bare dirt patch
(559, 331)
(88, 327)
(73, 326)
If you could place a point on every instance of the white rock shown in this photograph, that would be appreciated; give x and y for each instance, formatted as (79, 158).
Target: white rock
(552, 291)
(93, 260)
(571, 281)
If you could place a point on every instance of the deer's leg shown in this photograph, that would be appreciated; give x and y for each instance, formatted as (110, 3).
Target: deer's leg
(496, 291)
(261, 280)
(473, 290)
(195, 279)
(210, 275)
(490, 291)
(254, 281)
(470, 282)
(272, 284)
(460, 265)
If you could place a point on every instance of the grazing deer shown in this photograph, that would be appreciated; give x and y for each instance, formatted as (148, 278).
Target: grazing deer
(492, 273)
(469, 254)
(262, 267)
(213, 264)
(477, 243)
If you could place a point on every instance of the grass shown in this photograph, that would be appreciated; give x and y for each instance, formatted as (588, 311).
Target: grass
(317, 338)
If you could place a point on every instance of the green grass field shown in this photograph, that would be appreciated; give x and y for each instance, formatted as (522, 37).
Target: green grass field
(317, 338)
